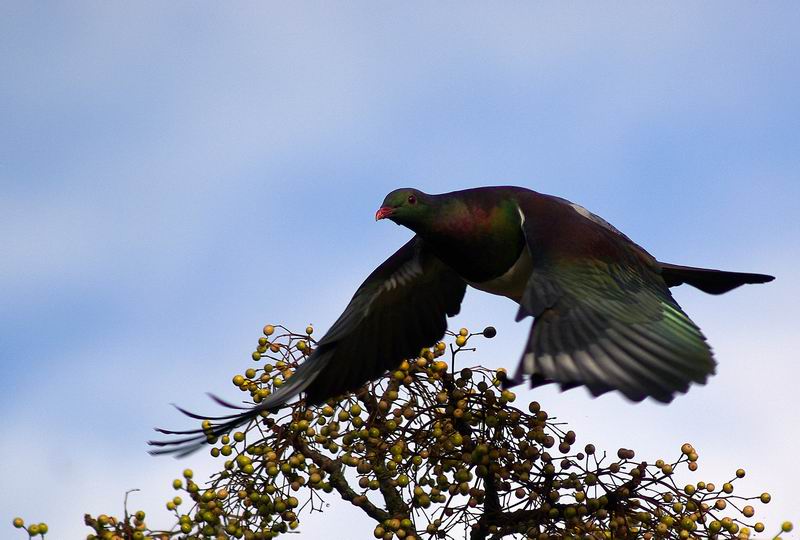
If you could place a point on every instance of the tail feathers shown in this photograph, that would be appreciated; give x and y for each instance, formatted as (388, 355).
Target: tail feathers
(195, 439)
(708, 280)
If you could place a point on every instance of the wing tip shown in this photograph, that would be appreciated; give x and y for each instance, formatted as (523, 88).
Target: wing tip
(597, 389)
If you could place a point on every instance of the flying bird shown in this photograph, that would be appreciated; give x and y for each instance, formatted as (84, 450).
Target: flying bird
(603, 314)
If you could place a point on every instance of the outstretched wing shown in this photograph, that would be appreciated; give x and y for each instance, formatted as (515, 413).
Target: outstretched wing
(399, 309)
(604, 316)
(402, 307)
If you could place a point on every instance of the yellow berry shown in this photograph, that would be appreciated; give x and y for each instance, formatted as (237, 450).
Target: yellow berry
(463, 332)
(461, 341)
(748, 511)
(18, 522)
(786, 526)
(268, 330)
(765, 498)
(187, 473)
(309, 329)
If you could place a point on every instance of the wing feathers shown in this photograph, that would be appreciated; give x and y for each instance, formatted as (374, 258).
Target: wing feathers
(399, 309)
(604, 317)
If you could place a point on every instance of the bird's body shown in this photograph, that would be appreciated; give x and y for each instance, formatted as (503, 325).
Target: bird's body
(603, 314)
(479, 234)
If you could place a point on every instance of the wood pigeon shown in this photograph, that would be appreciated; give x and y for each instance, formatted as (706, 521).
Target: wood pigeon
(603, 315)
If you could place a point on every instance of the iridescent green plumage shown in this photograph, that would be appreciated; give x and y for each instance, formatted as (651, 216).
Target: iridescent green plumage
(479, 237)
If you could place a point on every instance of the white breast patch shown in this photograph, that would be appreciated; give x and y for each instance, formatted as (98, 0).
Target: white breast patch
(512, 283)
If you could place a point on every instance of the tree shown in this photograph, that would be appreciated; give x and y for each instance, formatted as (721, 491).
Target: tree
(429, 451)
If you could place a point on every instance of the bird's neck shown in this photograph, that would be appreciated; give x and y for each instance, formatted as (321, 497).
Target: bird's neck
(479, 238)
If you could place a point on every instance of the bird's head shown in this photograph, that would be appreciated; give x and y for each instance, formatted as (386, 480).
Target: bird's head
(406, 206)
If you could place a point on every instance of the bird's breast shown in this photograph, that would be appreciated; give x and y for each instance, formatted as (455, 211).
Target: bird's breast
(512, 283)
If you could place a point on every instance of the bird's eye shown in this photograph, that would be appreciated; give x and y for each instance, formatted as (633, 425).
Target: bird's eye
(412, 199)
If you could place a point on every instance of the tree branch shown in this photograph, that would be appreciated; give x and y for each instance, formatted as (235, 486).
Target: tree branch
(337, 478)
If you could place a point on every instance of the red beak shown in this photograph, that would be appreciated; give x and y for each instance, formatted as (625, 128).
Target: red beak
(384, 212)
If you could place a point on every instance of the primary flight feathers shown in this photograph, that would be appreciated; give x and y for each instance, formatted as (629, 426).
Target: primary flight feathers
(603, 314)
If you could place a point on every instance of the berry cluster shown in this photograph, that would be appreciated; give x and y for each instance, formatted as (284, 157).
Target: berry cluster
(429, 452)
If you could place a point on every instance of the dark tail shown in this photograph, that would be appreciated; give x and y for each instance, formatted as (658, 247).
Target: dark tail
(707, 280)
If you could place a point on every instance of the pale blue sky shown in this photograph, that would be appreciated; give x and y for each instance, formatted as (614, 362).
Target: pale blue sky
(173, 177)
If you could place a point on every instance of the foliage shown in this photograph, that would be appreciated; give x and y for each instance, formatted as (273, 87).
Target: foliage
(431, 452)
